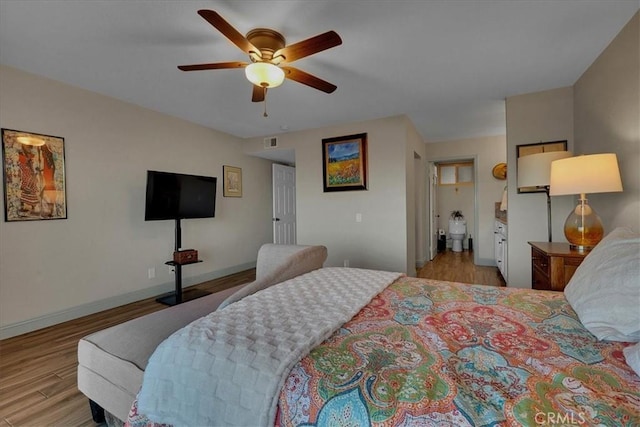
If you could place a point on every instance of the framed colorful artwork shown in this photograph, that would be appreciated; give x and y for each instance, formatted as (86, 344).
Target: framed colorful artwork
(232, 181)
(34, 176)
(344, 163)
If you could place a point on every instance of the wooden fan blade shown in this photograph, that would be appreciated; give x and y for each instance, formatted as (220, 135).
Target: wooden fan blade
(213, 66)
(308, 79)
(228, 31)
(309, 46)
(258, 93)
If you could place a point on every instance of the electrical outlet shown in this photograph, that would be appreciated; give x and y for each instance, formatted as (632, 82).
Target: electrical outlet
(346, 263)
(358, 217)
(151, 272)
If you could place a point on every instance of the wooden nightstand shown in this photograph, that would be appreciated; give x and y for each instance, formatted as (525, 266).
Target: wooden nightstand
(553, 265)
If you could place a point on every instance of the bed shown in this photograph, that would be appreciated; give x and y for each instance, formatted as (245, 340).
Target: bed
(362, 347)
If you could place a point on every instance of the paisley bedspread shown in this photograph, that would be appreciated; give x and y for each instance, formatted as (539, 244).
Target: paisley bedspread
(439, 353)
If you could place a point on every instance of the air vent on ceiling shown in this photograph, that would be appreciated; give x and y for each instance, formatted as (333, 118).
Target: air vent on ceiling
(271, 142)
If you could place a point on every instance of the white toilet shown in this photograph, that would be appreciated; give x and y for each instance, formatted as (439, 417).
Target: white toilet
(457, 231)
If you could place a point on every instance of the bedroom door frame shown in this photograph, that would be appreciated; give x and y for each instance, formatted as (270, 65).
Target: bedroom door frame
(474, 159)
(432, 172)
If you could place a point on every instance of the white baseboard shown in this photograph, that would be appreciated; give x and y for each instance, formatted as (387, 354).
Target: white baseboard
(40, 322)
(486, 262)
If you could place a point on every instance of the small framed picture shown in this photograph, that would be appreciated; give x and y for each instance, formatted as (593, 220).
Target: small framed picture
(344, 163)
(34, 176)
(232, 181)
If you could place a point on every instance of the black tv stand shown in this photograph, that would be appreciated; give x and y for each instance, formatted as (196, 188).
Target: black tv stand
(178, 296)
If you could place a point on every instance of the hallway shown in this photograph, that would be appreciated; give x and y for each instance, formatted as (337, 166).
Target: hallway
(459, 267)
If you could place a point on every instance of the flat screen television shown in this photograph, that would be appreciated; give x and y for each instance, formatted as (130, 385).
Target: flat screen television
(178, 196)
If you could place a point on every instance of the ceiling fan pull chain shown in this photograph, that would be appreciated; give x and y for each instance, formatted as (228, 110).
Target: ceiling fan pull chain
(265, 103)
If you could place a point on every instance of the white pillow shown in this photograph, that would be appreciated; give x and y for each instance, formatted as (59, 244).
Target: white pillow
(632, 356)
(605, 289)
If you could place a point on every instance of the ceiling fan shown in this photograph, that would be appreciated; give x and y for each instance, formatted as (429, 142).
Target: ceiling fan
(268, 54)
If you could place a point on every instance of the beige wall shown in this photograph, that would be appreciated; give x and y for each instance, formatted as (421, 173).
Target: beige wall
(599, 114)
(532, 118)
(382, 240)
(486, 152)
(51, 271)
(607, 119)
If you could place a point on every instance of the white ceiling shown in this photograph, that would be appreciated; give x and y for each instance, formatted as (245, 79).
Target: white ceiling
(448, 65)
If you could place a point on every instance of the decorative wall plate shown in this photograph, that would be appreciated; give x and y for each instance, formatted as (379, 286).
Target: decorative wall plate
(500, 171)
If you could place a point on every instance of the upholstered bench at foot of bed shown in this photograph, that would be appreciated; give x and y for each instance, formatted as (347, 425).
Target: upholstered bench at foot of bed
(111, 362)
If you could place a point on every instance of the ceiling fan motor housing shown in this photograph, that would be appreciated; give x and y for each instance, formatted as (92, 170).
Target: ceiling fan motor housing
(267, 40)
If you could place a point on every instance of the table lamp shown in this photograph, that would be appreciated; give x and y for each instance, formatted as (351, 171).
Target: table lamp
(595, 173)
(534, 170)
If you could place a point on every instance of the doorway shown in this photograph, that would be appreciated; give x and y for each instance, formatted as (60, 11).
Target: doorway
(452, 187)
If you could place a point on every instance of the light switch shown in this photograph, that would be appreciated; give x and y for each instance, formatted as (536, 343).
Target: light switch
(358, 217)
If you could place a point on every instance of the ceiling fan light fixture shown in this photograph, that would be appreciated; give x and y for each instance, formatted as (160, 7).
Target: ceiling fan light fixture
(264, 74)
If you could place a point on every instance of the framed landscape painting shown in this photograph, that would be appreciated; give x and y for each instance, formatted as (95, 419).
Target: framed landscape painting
(34, 176)
(344, 163)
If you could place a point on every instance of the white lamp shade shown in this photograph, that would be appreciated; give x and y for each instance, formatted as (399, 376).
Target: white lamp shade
(594, 173)
(264, 74)
(534, 170)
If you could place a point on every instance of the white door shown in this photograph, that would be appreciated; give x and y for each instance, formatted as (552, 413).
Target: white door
(284, 205)
(433, 217)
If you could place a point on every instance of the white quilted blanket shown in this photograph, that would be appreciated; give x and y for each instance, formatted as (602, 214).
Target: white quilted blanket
(227, 368)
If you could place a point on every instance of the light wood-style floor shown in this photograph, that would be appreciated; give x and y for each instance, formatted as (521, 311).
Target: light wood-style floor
(38, 369)
(459, 267)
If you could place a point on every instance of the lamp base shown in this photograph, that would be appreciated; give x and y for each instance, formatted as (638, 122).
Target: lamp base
(583, 227)
(581, 248)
